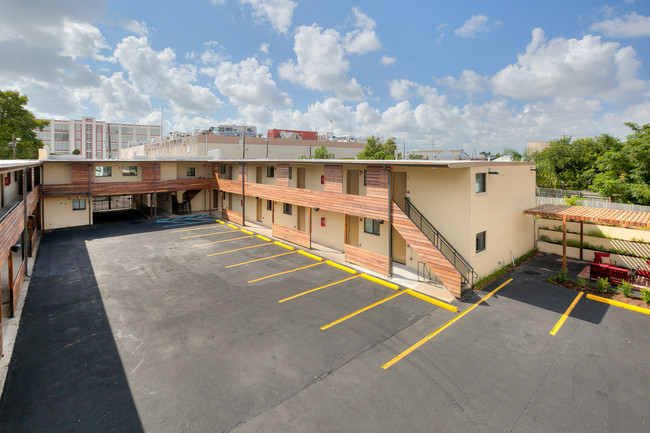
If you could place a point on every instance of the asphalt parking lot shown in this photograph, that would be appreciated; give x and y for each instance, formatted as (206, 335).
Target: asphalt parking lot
(198, 326)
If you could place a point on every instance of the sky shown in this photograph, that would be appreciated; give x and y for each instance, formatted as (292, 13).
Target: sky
(476, 75)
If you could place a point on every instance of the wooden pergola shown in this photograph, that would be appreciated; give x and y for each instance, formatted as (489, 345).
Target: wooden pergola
(628, 219)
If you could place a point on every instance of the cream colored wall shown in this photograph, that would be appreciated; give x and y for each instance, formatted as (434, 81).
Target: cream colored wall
(236, 202)
(332, 234)
(57, 174)
(284, 220)
(374, 243)
(499, 212)
(168, 171)
(199, 202)
(163, 204)
(312, 177)
(116, 173)
(201, 170)
(10, 191)
(58, 213)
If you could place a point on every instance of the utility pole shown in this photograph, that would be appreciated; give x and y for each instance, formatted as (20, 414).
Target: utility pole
(243, 148)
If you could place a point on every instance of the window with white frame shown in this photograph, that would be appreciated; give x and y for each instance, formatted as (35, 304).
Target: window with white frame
(103, 171)
(79, 204)
(130, 170)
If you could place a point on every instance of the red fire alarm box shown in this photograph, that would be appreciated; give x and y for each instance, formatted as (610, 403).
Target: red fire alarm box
(322, 180)
(322, 221)
(8, 180)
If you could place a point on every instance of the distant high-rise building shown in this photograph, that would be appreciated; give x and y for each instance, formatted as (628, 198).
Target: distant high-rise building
(95, 139)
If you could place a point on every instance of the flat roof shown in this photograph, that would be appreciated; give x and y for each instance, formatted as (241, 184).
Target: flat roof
(592, 214)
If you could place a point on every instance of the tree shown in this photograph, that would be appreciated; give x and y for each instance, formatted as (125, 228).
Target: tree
(76, 152)
(513, 154)
(15, 119)
(322, 153)
(375, 149)
(415, 156)
(624, 170)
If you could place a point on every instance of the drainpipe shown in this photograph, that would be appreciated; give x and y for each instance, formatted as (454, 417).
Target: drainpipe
(243, 190)
(24, 253)
(155, 195)
(90, 197)
(390, 224)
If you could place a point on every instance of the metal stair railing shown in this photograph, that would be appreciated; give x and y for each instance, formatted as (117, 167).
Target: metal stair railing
(468, 276)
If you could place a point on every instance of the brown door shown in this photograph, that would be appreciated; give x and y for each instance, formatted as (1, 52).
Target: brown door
(301, 178)
(353, 182)
(258, 175)
(229, 201)
(300, 211)
(353, 230)
(259, 210)
(398, 188)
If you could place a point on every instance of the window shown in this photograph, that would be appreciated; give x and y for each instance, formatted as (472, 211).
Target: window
(222, 169)
(190, 171)
(269, 205)
(79, 204)
(130, 170)
(287, 209)
(480, 182)
(371, 226)
(480, 242)
(290, 172)
(365, 177)
(61, 136)
(103, 171)
(270, 171)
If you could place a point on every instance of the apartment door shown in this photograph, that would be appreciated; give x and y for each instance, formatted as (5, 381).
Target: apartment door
(229, 201)
(258, 175)
(301, 178)
(353, 182)
(353, 230)
(259, 210)
(398, 188)
(300, 216)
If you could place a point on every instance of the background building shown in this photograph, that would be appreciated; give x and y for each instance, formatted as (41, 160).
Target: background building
(95, 139)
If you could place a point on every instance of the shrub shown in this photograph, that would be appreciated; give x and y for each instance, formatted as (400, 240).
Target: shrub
(582, 282)
(561, 277)
(646, 295)
(602, 285)
(625, 288)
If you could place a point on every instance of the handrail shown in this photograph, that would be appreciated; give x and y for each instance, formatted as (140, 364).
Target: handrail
(466, 271)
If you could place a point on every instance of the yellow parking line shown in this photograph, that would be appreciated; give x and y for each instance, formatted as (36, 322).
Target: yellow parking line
(336, 322)
(317, 288)
(433, 301)
(560, 322)
(284, 245)
(263, 238)
(248, 232)
(207, 234)
(225, 240)
(286, 272)
(239, 249)
(258, 260)
(341, 267)
(618, 304)
(220, 222)
(195, 228)
(380, 281)
(442, 328)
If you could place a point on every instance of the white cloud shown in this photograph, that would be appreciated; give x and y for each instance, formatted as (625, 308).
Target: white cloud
(583, 67)
(476, 24)
(401, 89)
(118, 99)
(265, 48)
(628, 26)
(387, 60)
(363, 39)
(469, 82)
(278, 12)
(247, 83)
(140, 28)
(157, 73)
(81, 40)
(320, 63)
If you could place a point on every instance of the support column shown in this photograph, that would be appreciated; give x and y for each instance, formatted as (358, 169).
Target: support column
(581, 237)
(564, 242)
(10, 270)
(243, 188)
(390, 225)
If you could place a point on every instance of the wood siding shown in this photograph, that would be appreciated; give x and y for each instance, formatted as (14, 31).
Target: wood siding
(292, 235)
(18, 283)
(439, 265)
(377, 182)
(79, 171)
(334, 178)
(233, 216)
(148, 171)
(282, 175)
(123, 188)
(367, 259)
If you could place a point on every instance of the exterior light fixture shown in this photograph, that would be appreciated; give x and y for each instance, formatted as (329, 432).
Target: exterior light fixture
(492, 172)
(316, 209)
(15, 248)
(31, 217)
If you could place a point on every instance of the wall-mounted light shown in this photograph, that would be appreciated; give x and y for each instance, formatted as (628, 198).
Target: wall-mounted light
(381, 221)
(316, 209)
(31, 217)
(256, 197)
(533, 169)
(492, 172)
(15, 248)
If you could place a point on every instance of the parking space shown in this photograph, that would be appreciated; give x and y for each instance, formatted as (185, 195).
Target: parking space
(205, 326)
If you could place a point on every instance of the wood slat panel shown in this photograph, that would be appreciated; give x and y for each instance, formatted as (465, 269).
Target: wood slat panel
(233, 216)
(79, 171)
(10, 230)
(367, 259)
(334, 178)
(592, 215)
(377, 182)
(123, 188)
(18, 283)
(282, 175)
(437, 262)
(292, 235)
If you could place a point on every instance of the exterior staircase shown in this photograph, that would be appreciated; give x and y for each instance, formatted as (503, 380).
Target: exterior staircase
(440, 256)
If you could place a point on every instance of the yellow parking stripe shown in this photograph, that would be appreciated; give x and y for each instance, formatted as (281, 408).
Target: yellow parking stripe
(311, 256)
(442, 328)
(433, 301)
(285, 272)
(225, 240)
(263, 258)
(195, 228)
(618, 304)
(263, 238)
(341, 267)
(284, 245)
(220, 222)
(207, 234)
(336, 322)
(317, 288)
(248, 232)
(560, 322)
(239, 249)
(380, 281)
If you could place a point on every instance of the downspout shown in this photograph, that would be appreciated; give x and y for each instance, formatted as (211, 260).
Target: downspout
(390, 225)
(243, 191)
(90, 197)
(155, 194)
(25, 215)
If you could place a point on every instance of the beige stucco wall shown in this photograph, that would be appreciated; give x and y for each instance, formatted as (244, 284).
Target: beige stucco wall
(375, 243)
(116, 173)
(11, 191)
(283, 219)
(58, 213)
(168, 171)
(332, 234)
(57, 174)
(201, 170)
(164, 201)
(499, 212)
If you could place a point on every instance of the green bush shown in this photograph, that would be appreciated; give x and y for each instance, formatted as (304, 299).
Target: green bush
(583, 282)
(646, 295)
(561, 277)
(602, 285)
(625, 288)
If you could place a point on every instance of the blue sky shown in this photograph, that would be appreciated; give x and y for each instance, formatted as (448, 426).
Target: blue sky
(463, 74)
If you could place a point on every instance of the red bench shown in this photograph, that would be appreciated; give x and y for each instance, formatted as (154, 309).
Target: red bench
(643, 272)
(614, 274)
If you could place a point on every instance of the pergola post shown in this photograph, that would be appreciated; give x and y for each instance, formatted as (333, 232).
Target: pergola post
(564, 242)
